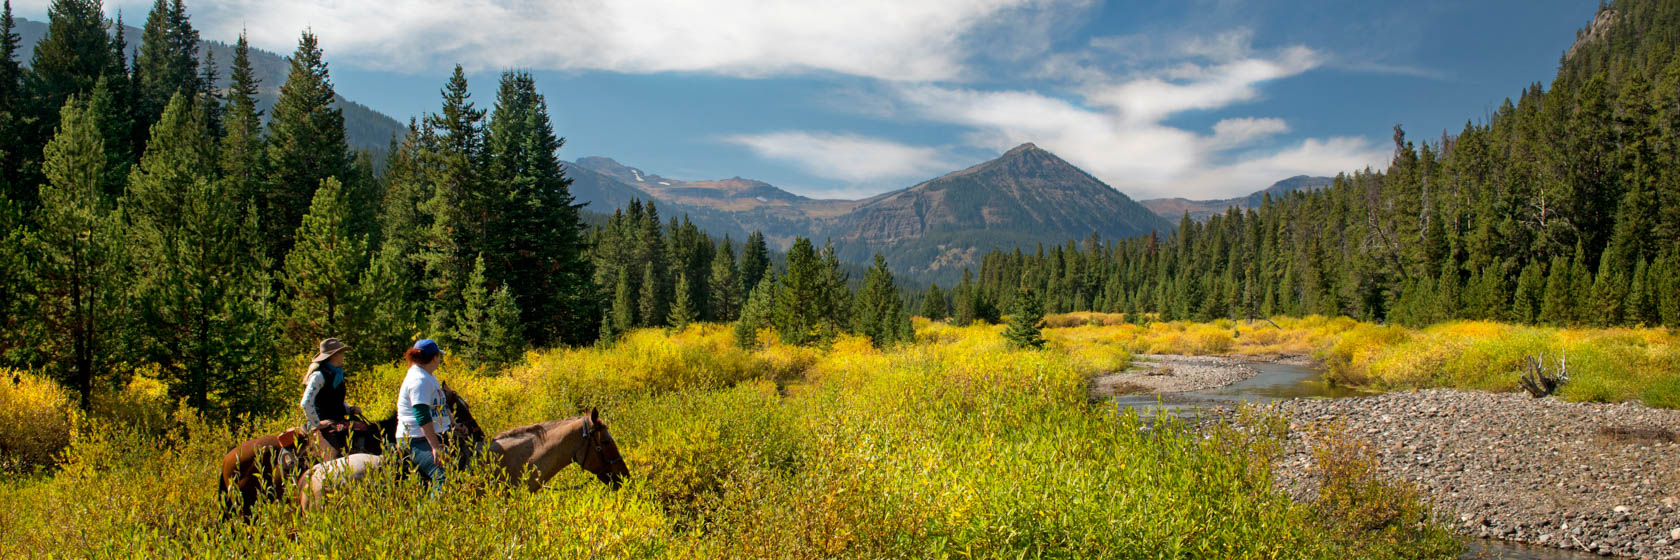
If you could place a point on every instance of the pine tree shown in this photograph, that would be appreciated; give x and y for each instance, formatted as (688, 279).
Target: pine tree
(205, 283)
(1558, 307)
(306, 146)
(167, 64)
(624, 305)
(607, 335)
(385, 318)
(79, 263)
(113, 118)
(682, 306)
(534, 235)
(802, 295)
(1531, 294)
(962, 301)
(503, 333)
(758, 313)
(726, 293)
(652, 308)
(209, 102)
(1026, 321)
(70, 59)
(320, 271)
(755, 260)
(878, 312)
(488, 329)
(934, 307)
(242, 154)
(13, 109)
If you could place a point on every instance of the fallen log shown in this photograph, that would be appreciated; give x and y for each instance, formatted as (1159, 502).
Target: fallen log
(1541, 381)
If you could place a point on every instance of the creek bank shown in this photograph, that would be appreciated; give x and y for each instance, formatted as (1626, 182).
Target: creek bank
(1171, 373)
(1601, 478)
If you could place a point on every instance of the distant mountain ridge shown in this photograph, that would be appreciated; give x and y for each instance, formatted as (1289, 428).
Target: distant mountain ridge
(930, 230)
(364, 128)
(1175, 208)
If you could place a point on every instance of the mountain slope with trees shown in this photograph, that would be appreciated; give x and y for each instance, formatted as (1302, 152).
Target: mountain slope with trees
(1563, 208)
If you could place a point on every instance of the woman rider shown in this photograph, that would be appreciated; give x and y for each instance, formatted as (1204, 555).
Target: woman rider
(323, 398)
(423, 416)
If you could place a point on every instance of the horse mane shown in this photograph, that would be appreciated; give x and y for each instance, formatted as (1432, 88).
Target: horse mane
(538, 430)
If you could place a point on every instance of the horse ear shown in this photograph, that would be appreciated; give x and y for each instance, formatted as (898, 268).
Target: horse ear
(594, 415)
(288, 437)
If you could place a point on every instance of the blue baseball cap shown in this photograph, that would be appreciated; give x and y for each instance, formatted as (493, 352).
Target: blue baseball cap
(427, 348)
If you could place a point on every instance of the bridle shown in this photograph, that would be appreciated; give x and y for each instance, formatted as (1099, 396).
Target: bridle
(582, 453)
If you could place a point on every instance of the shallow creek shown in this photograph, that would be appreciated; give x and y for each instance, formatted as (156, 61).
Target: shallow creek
(1285, 381)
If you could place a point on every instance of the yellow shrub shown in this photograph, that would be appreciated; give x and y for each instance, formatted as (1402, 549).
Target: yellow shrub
(35, 419)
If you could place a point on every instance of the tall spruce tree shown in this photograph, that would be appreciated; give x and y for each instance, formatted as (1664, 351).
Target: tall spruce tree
(79, 265)
(803, 299)
(682, 306)
(68, 61)
(878, 313)
(934, 306)
(167, 63)
(755, 260)
(13, 108)
(450, 159)
(321, 269)
(243, 156)
(305, 144)
(203, 292)
(533, 233)
(725, 293)
(1026, 321)
(758, 313)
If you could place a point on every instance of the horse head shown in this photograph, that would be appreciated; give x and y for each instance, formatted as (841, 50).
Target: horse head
(600, 452)
(468, 436)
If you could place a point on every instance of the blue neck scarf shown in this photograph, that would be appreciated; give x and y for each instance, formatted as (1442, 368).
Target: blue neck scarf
(336, 372)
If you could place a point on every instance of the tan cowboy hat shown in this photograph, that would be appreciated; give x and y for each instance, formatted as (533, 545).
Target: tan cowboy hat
(328, 348)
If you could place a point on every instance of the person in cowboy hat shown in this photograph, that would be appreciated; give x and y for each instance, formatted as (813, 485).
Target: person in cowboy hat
(323, 398)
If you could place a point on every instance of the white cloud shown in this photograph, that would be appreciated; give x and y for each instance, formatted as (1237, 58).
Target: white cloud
(1117, 131)
(1244, 130)
(846, 157)
(886, 39)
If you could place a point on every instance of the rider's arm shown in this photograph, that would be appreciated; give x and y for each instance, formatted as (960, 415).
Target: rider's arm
(310, 389)
(423, 415)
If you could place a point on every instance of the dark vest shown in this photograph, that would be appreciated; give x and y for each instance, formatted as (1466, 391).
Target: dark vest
(329, 401)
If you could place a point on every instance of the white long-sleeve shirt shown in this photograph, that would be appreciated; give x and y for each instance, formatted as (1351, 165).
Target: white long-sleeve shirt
(312, 387)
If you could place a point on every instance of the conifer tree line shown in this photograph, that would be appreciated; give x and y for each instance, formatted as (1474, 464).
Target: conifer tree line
(1563, 209)
(150, 222)
(673, 274)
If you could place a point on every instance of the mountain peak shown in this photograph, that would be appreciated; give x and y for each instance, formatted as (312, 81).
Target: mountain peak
(1023, 148)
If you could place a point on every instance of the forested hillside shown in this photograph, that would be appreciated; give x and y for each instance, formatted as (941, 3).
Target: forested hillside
(1563, 208)
(365, 128)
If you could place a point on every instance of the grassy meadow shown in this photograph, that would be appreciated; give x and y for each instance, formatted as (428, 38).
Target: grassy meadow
(954, 446)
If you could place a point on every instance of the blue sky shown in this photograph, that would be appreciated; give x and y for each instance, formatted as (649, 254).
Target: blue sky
(1195, 98)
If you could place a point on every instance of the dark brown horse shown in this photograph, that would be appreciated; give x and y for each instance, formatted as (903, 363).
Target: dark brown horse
(531, 455)
(262, 465)
(466, 439)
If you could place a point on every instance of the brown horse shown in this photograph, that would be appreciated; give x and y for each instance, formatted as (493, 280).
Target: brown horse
(262, 464)
(533, 454)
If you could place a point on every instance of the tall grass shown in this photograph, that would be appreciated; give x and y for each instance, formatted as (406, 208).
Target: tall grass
(954, 446)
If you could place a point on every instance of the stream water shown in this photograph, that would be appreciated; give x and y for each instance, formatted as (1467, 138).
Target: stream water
(1283, 381)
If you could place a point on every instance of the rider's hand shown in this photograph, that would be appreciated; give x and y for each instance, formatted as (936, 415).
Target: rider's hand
(324, 425)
